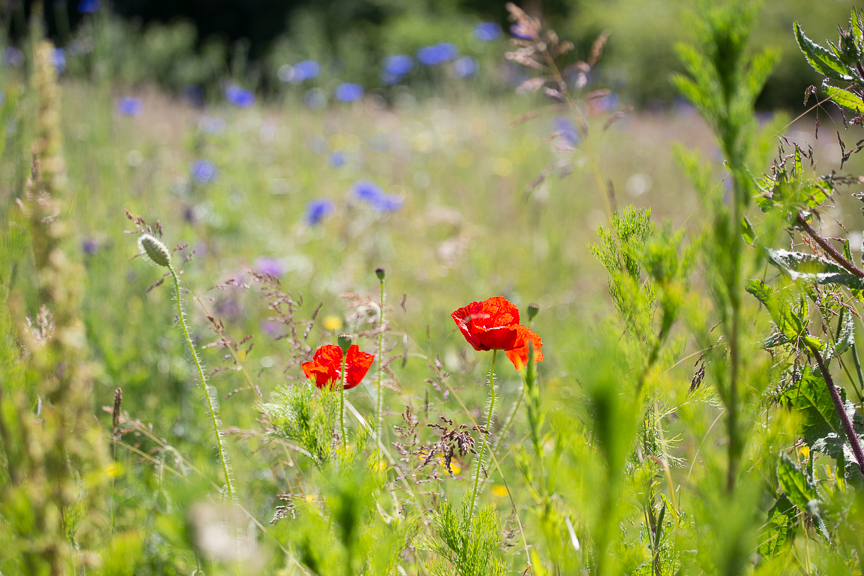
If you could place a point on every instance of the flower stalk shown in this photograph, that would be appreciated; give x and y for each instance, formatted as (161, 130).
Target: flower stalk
(476, 490)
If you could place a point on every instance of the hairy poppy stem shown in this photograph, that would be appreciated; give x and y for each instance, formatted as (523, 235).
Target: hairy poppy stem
(378, 422)
(342, 402)
(476, 490)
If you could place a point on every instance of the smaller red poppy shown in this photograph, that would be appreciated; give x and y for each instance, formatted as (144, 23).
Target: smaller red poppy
(326, 366)
(489, 325)
(519, 354)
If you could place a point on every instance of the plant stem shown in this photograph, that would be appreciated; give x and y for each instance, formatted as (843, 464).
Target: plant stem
(342, 403)
(840, 409)
(477, 473)
(211, 405)
(378, 422)
(835, 255)
(509, 419)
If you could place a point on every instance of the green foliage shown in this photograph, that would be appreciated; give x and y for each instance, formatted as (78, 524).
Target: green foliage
(469, 542)
(305, 415)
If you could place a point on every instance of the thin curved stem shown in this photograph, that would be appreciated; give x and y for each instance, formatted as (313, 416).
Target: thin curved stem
(211, 404)
(380, 407)
(476, 490)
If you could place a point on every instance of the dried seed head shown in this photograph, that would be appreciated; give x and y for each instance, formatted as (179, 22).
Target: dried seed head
(344, 341)
(155, 250)
(379, 272)
(532, 311)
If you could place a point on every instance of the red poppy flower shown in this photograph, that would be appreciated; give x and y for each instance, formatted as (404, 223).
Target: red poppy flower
(519, 354)
(489, 325)
(326, 366)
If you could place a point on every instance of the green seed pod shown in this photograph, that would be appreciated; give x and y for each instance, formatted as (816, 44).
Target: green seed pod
(155, 250)
(344, 341)
(379, 272)
(532, 311)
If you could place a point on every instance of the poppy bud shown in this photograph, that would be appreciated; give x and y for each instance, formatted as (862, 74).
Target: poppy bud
(155, 250)
(379, 272)
(344, 342)
(532, 311)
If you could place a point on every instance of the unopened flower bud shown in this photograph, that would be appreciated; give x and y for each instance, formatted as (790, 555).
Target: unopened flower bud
(155, 250)
(379, 272)
(344, 342)
(532, 311)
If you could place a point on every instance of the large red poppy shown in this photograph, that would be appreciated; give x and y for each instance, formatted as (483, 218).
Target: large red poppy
(494, 325)
(326, 366)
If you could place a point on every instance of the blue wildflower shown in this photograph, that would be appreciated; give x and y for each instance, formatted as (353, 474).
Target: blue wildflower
(609, 102)
(373, 194)
(487, 31)
(337, 158)
(12, 56)
(269, 266)
(317, 209)
(88, 6)
(398, 64)
(130, 106)
(59, 58)
(567, 130)
(437, 53)
(305, 70)
(239, 96)
(465, 67)
(203, 171)
(89, 246)
(349, 92)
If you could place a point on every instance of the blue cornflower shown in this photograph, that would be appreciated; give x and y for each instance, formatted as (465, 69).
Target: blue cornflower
(487, 31)
(373, 194)
(59, 58)
(305, 70)
(89, 246)
(130, 106)
(88, 6)
(317, 209)
(465, 67)
(349, 92)
(398, 64)
(437, 53)
(239, 96)
(567, 129)
(203, 171)
(337, 158)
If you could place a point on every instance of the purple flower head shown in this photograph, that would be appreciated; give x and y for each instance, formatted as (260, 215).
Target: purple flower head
(59, 58)
(372, 194)
(317, 209)
(398, 64)
(522, 32)
(271, 266)
(337, 158)
(465, 67)
(203, 171)
(487, 31)
(437, 53)
(349, 92)
(305, 70)
(567, 130)
(129, 106)
(88, 6)
(89, 246)
(13, 57)
(239, 96)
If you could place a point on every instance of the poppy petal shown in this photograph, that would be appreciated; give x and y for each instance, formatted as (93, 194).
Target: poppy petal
(518, 355)
(487, 325)
(499, 338)
(357, 365)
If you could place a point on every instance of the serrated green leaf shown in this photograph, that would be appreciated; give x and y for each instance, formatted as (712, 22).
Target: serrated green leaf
(749, 232)
(797, 486)
(822, 60)
(812, 268)
(781, 528)
(845, 98)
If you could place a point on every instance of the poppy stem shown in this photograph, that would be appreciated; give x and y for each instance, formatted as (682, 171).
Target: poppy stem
(476, 490)
(342, 404)
(378, 423)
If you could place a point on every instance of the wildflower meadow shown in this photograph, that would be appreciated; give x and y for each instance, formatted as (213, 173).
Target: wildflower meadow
(456, 297)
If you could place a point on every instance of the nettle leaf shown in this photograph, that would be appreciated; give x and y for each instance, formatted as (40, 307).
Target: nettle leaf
(822, 60)
(798, 487)
(809, 267)
(791, 324)
(781, 528)
(787, 188)
(845, 98)
(821, 428)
